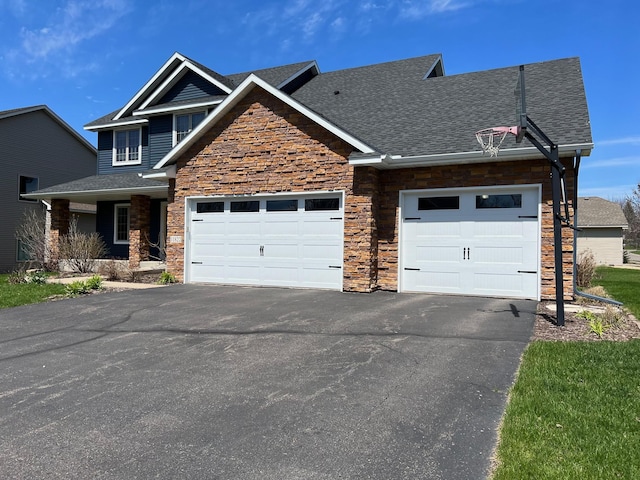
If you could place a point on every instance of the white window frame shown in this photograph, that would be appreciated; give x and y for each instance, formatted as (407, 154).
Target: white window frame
(116, 207)
(191, 127)
(114, 155)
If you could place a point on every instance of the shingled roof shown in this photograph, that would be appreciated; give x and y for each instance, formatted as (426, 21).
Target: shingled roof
(394, 108)
(597, 212)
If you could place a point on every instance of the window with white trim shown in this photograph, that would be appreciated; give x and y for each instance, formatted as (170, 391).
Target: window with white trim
(127, 147)
(121, 223)
(184, 123)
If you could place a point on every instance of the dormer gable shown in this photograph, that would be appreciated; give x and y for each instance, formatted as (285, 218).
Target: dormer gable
(179, 71)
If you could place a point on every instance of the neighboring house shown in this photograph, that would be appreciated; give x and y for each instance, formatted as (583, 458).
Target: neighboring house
(602, 224)
(355, 180)
(37, 150)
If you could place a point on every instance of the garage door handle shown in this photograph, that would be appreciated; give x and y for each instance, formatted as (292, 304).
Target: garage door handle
(335, 266)
(198, 220)
(412, 269)
(196, 263)
(526, 271)
(335, 218)
(412, 218)
(527, 216)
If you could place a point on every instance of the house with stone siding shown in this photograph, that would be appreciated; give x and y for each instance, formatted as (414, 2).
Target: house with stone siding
(354, 180)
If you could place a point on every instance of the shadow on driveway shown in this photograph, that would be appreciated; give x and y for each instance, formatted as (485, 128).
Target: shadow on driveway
(194, 381)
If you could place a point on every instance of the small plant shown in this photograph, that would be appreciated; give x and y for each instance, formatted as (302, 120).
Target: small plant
(94, 282)
(166, 278)
(597, 324)
(76, 288)
(37, 277)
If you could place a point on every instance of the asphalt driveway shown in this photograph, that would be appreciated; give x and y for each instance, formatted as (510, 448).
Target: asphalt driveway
(208, 382)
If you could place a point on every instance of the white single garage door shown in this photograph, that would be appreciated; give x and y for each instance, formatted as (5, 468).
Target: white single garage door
(288, 241)
(472, 242)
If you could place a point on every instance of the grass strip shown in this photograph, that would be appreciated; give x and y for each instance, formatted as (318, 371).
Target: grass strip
(574, 412)
(22, 294)
(623, 284)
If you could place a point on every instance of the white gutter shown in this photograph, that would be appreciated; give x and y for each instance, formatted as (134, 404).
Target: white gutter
(384, 162)
(123, 123)
(185, 107)
(170, 172)
(109, 191)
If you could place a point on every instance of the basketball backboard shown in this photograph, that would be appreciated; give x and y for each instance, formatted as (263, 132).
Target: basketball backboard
(521, 106)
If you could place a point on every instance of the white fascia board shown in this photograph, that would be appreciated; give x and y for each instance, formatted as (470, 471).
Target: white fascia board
(168, 173)
(175, 76)
(311, 65)
(161, 188)
(385, 162)
(176, 108)
(232, 100)
(124, 123)
(147, 86)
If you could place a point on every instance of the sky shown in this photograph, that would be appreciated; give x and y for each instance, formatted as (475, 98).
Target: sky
(86, 58)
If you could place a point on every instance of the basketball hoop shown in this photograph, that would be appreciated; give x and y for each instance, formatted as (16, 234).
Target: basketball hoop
(490, 139)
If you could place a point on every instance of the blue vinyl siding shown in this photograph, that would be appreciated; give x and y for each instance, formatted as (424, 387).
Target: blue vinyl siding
(105, 154)
(190, 87)
(104, 226)
(160, 137)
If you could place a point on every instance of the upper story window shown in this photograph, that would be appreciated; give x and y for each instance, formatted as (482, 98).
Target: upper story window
(127, 147)
(27, 185)
(184, 123)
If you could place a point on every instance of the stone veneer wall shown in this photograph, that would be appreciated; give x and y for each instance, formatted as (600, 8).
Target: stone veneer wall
(264, 146)
(139, 221)
(456, 176)
(59, 226)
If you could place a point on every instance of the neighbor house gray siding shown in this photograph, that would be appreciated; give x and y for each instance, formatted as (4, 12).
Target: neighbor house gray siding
(34, 144)
(190, 87)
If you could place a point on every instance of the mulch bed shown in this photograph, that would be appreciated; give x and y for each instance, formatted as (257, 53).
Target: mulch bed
(577, 329)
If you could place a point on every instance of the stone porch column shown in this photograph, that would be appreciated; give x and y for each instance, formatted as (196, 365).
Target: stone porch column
(139, 225)
(59, 226)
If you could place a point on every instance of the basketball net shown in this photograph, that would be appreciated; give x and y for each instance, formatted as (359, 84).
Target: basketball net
(490, 139)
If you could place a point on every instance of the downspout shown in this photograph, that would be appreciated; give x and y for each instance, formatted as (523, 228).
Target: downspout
(610, 301)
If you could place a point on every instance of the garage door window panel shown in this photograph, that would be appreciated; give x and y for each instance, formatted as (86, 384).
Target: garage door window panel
(210, 207)
(499, 201)
(321, 204)
(282, 205)
(245, 206)
(439, 203)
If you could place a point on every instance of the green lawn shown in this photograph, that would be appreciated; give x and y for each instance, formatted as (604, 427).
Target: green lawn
(623, 284)
(574, 411)
(22, 294)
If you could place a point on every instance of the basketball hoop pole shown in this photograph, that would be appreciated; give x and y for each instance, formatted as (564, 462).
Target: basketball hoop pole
(557, 174)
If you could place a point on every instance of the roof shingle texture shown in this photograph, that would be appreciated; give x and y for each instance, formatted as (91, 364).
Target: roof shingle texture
(393, 108)
(598, 212)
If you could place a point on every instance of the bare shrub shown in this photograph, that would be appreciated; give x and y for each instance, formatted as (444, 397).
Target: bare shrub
(159, 245)
(31, 233)
(80, 250)
(114, 271)
(585, 269)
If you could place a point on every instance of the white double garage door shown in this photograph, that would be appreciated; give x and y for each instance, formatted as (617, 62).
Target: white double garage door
(482, 241)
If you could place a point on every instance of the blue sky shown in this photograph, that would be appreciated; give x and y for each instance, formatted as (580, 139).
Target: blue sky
(86, 58)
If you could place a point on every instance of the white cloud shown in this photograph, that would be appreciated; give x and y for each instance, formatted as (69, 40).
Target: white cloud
(418, 9)
(630, 161)
(632, 140)
(51, 46)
